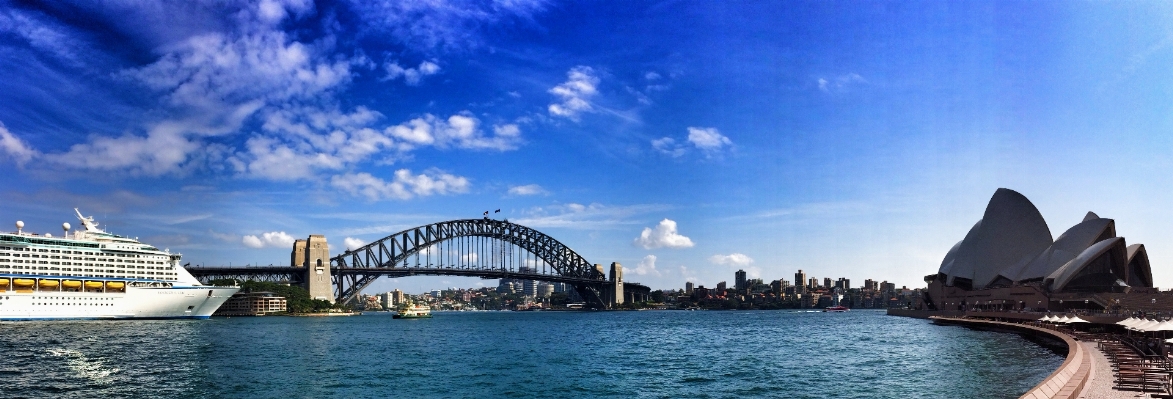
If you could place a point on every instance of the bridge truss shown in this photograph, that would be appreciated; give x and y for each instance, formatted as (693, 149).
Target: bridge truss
(484, 248)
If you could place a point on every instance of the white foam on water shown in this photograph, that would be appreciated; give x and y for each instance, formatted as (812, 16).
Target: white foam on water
(93, 370)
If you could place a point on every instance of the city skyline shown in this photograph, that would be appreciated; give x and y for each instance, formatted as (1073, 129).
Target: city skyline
(684, 140)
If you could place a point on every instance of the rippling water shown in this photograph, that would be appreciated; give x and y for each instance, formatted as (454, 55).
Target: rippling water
(705, 354)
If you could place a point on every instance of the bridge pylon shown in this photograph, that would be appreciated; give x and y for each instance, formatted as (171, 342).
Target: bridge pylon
(312, 256)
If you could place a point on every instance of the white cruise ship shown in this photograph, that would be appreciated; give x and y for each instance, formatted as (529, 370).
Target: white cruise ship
(92, 274)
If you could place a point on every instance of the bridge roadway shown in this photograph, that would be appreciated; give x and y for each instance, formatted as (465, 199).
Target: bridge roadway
(293, 275)
(634, 292)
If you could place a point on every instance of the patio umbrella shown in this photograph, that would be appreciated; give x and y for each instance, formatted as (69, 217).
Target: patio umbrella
(1076, 319)
(1166, 325)
(1061, 319)
(1147, 326)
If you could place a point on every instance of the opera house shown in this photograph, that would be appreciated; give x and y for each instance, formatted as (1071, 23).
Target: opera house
(1008, 261)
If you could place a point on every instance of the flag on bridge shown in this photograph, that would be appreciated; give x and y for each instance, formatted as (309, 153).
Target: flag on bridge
(486, 213)
(497, 211)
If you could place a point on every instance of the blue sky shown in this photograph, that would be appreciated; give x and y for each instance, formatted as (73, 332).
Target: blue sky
(685, 140)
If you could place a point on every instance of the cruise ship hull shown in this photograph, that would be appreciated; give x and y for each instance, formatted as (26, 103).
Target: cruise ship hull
(196, 302)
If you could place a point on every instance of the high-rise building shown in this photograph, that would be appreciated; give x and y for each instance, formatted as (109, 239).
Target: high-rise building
(846, 283)
(688, 287)
(721, 287)
(545, 290)
(812, 283)
(529, 288)
(739, 281)
(799, 278)
(827, 283)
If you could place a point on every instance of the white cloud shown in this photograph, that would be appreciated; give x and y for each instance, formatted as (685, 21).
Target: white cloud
(840, 83)
(668, 146)
(352, 243)
(528, 189)
(647, 266)
(575, 93)
(15, 148)
(733, 259)
(707, 138)
(411, 76)
(469, 258)
(404, 186)
(213, 83)
(462, 130)
(579, 216)
(663, 236)
(275, 239)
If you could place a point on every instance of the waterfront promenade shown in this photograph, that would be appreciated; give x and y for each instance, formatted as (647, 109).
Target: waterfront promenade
(1086, 373)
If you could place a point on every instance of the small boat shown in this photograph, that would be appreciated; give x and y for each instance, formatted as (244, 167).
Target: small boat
(45, 283)
(71, 284)
(115, 285)
(94, 284)
(836, 309)
(413, 312)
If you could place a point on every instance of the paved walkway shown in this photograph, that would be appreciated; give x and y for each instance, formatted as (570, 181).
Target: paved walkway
(1099, 385)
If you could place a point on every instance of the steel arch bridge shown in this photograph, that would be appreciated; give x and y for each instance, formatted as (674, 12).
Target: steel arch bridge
(484, 248)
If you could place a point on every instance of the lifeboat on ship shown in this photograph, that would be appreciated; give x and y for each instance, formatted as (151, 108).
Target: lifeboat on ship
(115, 285)
(4, 282)
(50, 284)
(71, 284)
(23, 284)
(94, 285)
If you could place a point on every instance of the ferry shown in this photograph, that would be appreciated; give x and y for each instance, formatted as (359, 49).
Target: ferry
(92, 274)
(413, 312)
(836, 309)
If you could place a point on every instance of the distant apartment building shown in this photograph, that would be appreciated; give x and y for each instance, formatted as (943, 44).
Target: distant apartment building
(827, 283)
(721, 287)
(740, 282)
(252, 304)
(688, 287)
(799, 278)
(390, 300)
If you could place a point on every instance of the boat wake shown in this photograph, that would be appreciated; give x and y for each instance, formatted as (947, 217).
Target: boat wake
(93, 370)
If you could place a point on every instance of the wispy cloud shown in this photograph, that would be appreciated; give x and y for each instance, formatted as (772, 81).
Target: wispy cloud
(528, 189)
(840, 83)
(708, 140)
(442, 25)
(575, 93)
(579, 216)
(404, 185)
(411, 76)
(15, 148)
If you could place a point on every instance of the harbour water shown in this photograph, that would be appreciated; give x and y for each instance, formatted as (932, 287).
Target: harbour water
(651, 354)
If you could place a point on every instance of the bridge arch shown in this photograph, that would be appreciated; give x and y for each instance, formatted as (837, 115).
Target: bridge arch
(356, 269)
